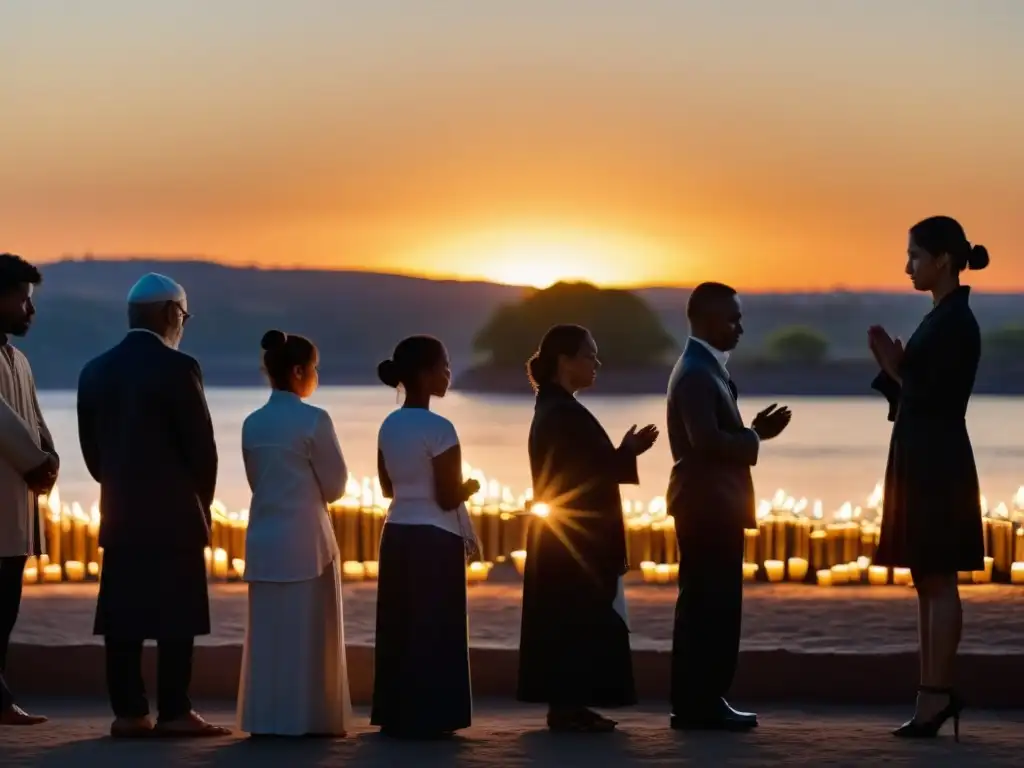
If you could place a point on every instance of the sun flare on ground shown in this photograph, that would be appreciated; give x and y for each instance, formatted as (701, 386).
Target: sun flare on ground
(539, 260)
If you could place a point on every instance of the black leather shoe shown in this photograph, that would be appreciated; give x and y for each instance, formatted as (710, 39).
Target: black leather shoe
(719, 716)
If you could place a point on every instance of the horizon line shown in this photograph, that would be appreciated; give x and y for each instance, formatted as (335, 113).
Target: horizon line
(453, 278)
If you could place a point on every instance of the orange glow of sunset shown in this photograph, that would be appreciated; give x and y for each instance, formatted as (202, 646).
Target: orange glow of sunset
(538, 259)
(771, 145)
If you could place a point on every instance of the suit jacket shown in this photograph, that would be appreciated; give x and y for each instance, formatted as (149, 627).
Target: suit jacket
(295, 469)
(713, 451)
(147, 439)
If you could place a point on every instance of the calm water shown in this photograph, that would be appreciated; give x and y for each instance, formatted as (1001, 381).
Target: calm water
(834, 449)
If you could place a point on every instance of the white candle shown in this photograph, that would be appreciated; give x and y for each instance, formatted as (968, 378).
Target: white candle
(824, 578)
(983, 576)
(901, 576)
(662, 573)
(797, 569)
(878, 575)
(353, 570)
(750, 571)
(519, 560)
(220, 563)
(648, 568)
(52, 574)
(75, 570)
(1017, 573)
(774, 569)
(840, 574)
(371, 568)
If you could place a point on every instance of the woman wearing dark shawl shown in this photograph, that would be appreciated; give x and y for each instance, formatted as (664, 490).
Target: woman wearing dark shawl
(574, 649)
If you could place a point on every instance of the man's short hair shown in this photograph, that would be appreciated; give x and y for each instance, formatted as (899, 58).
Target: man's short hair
(705, 297)
(15, 271)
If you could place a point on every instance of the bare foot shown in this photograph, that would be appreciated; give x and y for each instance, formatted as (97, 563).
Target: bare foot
(131, 728)
(189, 726)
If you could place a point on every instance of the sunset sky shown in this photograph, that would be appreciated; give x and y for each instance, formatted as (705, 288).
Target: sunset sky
(775, 145)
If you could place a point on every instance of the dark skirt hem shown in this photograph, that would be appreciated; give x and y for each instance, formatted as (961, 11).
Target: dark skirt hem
(421, 656)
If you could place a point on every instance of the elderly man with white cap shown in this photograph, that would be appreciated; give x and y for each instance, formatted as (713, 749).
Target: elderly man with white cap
(147, 439)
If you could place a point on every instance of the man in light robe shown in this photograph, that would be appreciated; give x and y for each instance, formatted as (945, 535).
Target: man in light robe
(147, 438)
(28, 463)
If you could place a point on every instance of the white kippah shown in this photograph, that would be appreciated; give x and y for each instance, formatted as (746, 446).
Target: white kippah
(153, 288)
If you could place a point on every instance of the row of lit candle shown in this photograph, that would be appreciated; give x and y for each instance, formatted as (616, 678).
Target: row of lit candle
(788, 530)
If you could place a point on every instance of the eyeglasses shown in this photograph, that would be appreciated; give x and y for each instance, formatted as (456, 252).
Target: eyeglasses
(184, 314)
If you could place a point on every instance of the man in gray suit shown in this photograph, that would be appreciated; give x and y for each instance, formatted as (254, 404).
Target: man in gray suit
(711, 497)
(147, 439)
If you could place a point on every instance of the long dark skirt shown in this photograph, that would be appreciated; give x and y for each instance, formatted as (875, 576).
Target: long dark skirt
(421, 661)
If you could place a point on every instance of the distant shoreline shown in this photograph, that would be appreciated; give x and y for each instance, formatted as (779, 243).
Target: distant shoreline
(850, 378)
(759, 379)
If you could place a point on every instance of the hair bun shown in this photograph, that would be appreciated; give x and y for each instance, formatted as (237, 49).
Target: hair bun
(387, 372)
(978, 258)
(273, 340)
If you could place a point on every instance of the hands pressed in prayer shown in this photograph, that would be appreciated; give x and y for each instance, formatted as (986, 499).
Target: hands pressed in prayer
(640, 442)
(771, 421)
(887, 352)
(41, 479)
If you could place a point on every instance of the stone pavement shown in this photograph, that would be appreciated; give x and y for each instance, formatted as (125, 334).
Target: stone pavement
(506, 734)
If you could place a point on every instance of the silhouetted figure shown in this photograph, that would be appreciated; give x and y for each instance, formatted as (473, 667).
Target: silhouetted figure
(711, 497)
(574, 648)
(28, 462)
(294, 679)
(931, 516)
(147, 439)
(421, 685)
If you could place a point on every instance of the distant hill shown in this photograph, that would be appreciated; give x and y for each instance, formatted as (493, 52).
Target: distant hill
(357, 317)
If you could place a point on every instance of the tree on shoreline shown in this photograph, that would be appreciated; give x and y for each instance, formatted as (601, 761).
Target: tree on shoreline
(628, 332)
(1006, 343)
(797, 344)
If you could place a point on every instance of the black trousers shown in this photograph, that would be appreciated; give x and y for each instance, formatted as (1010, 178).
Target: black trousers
(124, 677)
(709, 610)
(11, 572)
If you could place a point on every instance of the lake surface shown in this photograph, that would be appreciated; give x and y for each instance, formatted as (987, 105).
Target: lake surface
(834, 449)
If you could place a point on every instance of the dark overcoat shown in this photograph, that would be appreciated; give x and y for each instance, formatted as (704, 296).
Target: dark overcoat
(147, 439)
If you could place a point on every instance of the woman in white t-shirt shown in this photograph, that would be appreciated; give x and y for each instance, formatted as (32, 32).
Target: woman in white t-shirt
(421, 660)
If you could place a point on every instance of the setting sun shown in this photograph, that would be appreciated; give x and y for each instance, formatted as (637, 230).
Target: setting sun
(540, 259)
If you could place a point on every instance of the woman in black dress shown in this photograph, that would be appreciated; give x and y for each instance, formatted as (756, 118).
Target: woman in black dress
(574, 648)
(931, 518)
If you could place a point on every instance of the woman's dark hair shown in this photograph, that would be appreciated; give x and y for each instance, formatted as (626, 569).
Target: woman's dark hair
(282, 352)
(411, 357)
(944, 234)
(559, 340)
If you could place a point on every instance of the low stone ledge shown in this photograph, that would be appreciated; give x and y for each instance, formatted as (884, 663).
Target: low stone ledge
(986, 680)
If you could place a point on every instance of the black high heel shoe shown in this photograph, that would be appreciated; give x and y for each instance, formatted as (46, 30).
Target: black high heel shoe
(929, 729)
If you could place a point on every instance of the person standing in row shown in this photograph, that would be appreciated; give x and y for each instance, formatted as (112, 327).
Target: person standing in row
(574, 649)
(28, 462)
(147, 439)
(711, 498)
(421, 683)
(294, 679)
(931, 510)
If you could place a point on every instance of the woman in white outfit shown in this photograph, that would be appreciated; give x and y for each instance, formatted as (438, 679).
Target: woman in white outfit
(294, 680)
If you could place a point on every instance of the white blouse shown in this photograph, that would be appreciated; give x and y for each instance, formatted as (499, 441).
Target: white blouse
(295, 469)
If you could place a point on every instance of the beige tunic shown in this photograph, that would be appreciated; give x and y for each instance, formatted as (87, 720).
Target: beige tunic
(22, 430)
